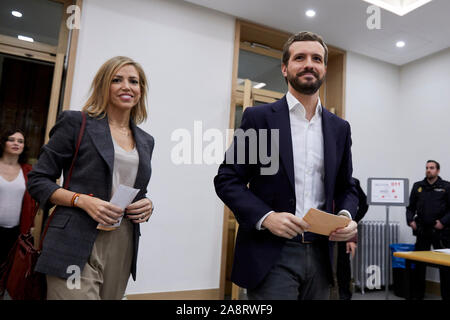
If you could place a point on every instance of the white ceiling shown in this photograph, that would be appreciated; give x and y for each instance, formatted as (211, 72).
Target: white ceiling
(41, 19)
(342, 23)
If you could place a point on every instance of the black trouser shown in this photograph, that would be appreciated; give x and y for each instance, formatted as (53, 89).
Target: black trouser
(343, 272)
(427, 236)
(299, 274)
(8, 237)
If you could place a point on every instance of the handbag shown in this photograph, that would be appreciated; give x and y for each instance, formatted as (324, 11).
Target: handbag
(17, 274)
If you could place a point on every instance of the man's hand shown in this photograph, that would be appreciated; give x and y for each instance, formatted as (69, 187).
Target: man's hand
(413, 225)
(344, 234)
(285, 224)
(351, 248)
(438, 225)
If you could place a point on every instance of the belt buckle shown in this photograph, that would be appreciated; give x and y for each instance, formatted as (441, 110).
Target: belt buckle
(303, 239)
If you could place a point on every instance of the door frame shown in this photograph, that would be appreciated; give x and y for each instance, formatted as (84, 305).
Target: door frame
(62, 55)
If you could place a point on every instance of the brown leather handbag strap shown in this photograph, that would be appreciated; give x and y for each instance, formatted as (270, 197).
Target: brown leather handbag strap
(67, 181)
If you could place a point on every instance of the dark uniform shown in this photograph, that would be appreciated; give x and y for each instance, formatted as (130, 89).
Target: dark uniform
(428, 203)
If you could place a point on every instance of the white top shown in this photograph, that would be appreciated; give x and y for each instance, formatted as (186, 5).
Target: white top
(125, 167)
(11, 198)
(308, 157)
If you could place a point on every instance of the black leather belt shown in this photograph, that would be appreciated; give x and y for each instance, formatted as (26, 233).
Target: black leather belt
(300, 238)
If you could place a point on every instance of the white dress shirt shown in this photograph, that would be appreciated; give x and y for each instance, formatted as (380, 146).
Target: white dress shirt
(308, 157)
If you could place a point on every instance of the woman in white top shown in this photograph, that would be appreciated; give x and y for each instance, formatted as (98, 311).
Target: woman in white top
(80, 258)
(16, 205)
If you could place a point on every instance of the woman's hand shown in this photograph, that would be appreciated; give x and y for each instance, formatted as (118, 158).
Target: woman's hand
(101, 211)
(139, 211)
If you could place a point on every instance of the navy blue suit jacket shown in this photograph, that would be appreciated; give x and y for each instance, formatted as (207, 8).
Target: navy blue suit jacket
(250, 195)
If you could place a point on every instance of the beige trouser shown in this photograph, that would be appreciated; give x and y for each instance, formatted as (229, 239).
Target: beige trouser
(105, 275)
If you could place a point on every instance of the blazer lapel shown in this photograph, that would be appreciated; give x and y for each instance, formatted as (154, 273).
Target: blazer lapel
(100, 134)
(279, 119)
(143, 149)
(329, 142)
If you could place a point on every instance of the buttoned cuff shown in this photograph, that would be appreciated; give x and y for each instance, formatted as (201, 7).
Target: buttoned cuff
(259, 223)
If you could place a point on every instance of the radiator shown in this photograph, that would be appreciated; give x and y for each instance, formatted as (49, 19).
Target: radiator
(371, 251)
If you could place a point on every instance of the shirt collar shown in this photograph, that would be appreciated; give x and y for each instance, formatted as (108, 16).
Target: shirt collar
(292, 102)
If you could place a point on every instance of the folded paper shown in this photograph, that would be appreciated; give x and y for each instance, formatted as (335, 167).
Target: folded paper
(324, 223)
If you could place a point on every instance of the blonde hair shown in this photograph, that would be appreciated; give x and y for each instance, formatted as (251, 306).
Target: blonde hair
(98, 100)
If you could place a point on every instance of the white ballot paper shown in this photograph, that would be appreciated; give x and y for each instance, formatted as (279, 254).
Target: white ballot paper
(121, 198)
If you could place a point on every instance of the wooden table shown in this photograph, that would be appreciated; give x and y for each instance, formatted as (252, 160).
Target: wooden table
(431, 258)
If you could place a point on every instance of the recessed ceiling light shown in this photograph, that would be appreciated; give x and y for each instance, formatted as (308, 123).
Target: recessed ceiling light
(310, 13)
(259, 85)
(399, 7)
(400, 44)
(25, 38)
(16, 14)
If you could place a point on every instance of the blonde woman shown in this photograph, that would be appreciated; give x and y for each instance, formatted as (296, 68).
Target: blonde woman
(113, 151)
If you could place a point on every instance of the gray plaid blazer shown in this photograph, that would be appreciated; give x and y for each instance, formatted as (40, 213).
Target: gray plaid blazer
(72, 232)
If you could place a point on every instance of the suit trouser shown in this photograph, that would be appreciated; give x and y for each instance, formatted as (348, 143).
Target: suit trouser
(105, 275)
(343, 271)
(426, 238)
(299, 274)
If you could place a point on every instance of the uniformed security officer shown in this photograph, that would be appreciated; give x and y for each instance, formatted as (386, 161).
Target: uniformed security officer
(428, 214)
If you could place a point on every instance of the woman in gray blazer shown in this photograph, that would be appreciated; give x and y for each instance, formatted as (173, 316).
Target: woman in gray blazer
(81, 261)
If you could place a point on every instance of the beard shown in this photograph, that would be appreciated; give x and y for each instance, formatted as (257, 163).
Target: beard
(430, 175)
(308, 88)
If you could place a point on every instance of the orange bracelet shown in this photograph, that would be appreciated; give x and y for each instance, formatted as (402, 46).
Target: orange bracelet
(74, 197)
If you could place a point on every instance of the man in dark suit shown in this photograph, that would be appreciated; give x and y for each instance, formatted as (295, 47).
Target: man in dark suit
(309, 147)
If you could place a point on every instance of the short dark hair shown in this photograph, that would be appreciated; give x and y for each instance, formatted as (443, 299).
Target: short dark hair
(23, 158)
(438, 166)
(303, 36)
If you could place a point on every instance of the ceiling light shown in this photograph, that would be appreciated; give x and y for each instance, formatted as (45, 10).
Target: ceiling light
(399, 7)
(400, 44)
(259, 85)
(16, 14)
(310, 13)
(25, 38)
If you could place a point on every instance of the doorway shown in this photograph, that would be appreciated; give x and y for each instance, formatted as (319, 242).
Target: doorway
(38, 46)
(25, 89)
